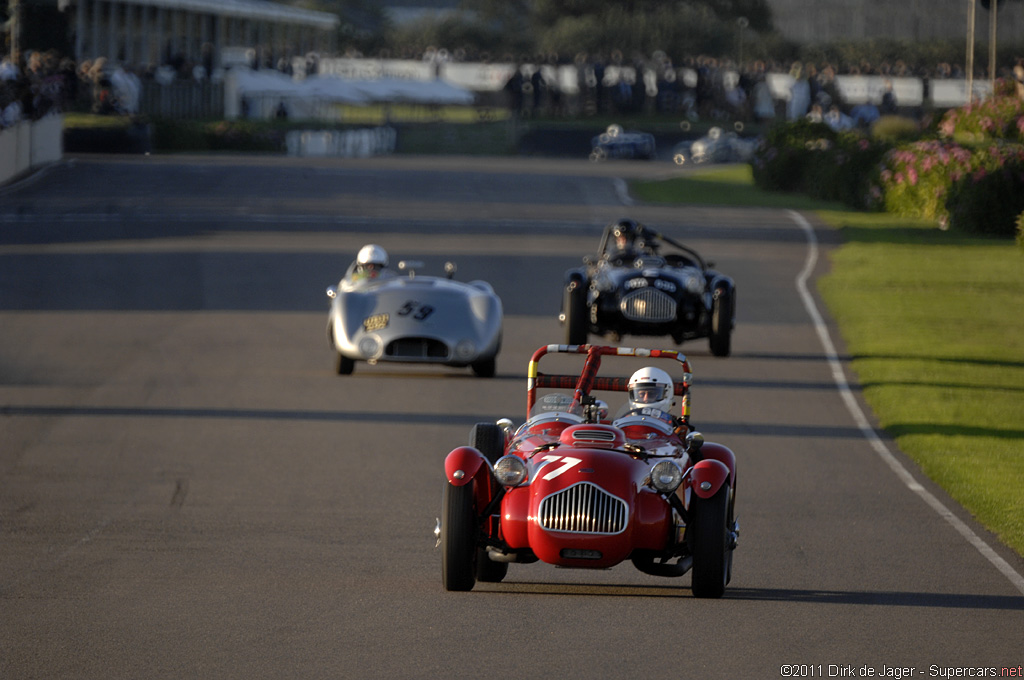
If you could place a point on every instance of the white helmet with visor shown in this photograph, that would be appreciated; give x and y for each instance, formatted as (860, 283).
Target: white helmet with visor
(652, 388)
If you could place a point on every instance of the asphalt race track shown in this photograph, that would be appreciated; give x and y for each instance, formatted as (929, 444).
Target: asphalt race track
(188, 490)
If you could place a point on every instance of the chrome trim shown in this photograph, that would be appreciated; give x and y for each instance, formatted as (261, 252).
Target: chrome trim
(648, 304)
(594, 435)
(583, 508)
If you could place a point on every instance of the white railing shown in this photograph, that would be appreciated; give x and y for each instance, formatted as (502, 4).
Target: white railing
(30, 144)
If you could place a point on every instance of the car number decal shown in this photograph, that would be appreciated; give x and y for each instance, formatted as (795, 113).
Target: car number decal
(375, 322)
(567, 463)
(416, 310)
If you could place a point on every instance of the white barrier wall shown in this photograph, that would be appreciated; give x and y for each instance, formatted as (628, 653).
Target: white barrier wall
(475, 77)
(30, 144)
(343, 144)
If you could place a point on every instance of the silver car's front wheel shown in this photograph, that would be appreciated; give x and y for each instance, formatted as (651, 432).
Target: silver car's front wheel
(343, 365)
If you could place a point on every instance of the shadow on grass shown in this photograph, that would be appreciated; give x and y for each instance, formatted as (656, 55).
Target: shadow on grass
(959, 361)
(897, 430)
(916, 235)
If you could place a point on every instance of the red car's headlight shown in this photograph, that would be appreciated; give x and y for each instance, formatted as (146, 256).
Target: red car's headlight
(510, 471)
(666, 476)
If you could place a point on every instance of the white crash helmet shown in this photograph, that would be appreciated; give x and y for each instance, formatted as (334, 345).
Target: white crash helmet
(372, 254)
(651, 388)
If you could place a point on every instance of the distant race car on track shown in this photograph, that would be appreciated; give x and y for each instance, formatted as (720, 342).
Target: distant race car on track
(574, 489)
(618, 143)
(644, 283)
(378, 315)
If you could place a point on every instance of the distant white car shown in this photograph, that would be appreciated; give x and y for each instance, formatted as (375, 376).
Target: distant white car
(415, 319)
(716, 146)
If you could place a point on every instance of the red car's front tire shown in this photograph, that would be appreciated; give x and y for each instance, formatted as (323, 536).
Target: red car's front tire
(458, 537)
(710, 543)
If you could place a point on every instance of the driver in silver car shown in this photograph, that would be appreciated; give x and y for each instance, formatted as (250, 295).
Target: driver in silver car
(371, 263)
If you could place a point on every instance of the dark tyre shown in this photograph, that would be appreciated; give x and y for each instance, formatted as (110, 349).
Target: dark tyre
(709, 543)
(458, 538)
(720, 338)
(343, 365)
(485, 368)
(575, 307)
(488, 439)
(488, 571)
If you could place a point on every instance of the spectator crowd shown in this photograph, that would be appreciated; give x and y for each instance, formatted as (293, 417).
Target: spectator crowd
(699, 88)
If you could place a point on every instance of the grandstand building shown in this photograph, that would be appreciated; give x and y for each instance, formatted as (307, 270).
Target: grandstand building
(141, 32)
(913, 20)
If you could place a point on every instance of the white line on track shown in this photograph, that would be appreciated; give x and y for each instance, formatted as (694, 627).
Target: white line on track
(622, 190)
(865, 427)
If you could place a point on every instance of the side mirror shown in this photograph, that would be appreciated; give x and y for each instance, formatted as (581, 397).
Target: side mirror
(506, 426)
(410, 266)
(694, 441)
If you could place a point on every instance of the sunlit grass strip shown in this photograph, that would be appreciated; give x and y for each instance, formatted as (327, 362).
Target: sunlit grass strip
(936, 329)
(380, 114)
(934, 322)
(726, 185)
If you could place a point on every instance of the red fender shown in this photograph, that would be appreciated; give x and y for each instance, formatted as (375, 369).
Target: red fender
(714, 472)
(463, 464)
(710, 450)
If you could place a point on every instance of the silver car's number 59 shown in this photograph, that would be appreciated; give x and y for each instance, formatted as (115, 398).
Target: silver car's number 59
(567, 463)
(416, 310)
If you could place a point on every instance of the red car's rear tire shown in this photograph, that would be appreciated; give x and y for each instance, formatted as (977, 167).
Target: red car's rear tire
(710, 544)
(458, 538)
(488, 571)
(488, 439)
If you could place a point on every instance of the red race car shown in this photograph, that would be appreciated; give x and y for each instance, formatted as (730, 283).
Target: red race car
(575, 488)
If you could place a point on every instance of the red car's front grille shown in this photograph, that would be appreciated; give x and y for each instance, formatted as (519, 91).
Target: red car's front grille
(583, 508)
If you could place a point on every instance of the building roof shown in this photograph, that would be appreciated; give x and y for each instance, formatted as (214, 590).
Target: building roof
(261, 10)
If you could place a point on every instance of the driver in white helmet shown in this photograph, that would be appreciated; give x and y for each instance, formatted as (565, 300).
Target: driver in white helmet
(652, 393)
(651, 388)
(371, 263)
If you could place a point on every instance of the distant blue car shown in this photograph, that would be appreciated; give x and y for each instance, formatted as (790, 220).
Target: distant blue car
(618, 143)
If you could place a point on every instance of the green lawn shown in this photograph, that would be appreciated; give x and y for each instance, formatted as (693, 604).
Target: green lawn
(934, 321)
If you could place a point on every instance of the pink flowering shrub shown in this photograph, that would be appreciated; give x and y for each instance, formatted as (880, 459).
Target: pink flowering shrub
(1001, 116)
(989, 200)
(915, 178)
(978, 189)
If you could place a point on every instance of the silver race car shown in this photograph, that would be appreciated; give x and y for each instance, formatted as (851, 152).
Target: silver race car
(403, 317)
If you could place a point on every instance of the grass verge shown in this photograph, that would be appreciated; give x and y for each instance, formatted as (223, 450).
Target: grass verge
(934, 322)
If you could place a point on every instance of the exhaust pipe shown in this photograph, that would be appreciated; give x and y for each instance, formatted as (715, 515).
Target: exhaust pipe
(647, 565)
(496, 555)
